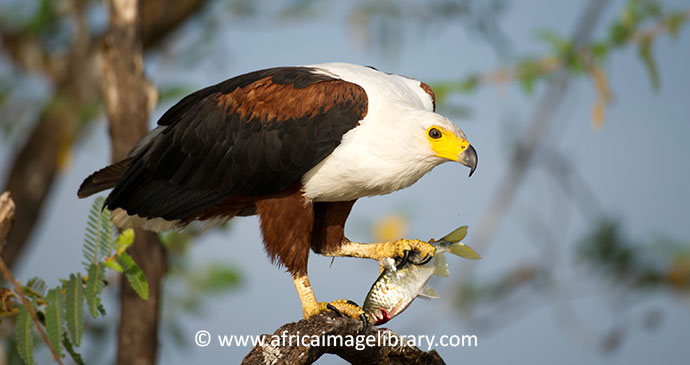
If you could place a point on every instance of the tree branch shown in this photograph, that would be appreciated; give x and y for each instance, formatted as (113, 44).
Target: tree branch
(159, 18)
(333, 333)
(6, 220)
(37, 163)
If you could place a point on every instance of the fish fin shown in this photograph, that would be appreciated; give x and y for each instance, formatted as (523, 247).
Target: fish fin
(441, 266)
(455, 236)
(464, 251)
(427, 293)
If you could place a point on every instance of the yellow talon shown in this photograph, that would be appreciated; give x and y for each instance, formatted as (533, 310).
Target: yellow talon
(340, 306)
(398, 248)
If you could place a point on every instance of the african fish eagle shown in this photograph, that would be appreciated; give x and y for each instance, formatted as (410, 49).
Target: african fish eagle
(296, 146)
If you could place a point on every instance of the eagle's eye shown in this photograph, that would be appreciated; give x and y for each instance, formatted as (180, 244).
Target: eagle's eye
(434, 133)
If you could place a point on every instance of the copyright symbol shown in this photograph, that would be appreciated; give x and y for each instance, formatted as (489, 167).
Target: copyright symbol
(202, 338)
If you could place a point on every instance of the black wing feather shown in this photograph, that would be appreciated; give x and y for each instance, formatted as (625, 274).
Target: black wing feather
(218, 143)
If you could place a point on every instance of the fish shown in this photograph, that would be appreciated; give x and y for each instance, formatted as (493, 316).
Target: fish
(404, 279)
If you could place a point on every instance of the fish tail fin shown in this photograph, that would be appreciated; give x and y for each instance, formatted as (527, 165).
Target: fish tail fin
(464, 251)
(456, 236)
(441, 268)
(451, 242)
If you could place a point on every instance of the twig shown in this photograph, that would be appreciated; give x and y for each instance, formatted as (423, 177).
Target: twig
(538, 128)
(656, 30)
(6, 217)
(550, 64)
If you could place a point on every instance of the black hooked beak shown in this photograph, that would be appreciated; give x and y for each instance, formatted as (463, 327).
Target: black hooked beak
(469, 158)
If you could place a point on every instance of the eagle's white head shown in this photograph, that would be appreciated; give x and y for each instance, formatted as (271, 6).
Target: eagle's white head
(435, 140)
(400, 139)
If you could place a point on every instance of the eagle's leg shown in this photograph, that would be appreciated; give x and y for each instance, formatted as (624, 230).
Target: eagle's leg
(379, 251)
(310, 306)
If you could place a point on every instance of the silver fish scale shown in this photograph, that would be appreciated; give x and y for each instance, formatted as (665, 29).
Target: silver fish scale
(394, 290)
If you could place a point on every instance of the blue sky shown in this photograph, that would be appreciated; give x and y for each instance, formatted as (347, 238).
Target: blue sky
(637, 166)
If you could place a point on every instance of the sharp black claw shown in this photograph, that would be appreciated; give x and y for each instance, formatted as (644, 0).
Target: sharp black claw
(334, 309)
(353, 303)
(424, 261)
(365, 320)
(403, 260)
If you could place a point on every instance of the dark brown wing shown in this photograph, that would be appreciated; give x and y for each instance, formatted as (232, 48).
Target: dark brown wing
(251, 135)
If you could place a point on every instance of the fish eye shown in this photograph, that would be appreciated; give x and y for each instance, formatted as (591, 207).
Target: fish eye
(435, 133)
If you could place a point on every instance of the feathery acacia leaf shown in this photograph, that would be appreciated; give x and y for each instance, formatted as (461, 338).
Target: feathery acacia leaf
(134, 275)
(106, 238)
(70, 350)
(54, 319)
(124, 240)
(94, 286)
(25, 340)
(99, 236)
(35, 287)
(74, 308)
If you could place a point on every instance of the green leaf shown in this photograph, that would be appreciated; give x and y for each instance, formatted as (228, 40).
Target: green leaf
(645, 52)
(106, 240)
(527, 83)
(35, 288)
(98, 239)
(464, 251)
(619, 33)
(218, 278)
(674, 21)
(113, 265)
(70, 350)
(25, 339)
(125, 240)
(173, 93)
(44, 18)
(54, 319)
(94, 286)
(559, 44)
(600, 51)
(134, 275)
(469, 84)
(74, 307)
(528, 70)
(456, 236)
(176, 241)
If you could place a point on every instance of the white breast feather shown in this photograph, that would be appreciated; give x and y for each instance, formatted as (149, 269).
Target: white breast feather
(376, 157)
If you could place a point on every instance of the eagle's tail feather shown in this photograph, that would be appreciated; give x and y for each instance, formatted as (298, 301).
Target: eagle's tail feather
(103, 179)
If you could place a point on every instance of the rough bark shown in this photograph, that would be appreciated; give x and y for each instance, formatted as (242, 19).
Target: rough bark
(159, 18)
(127, 98)
(329, 324)
(6, 216)
(76, 79)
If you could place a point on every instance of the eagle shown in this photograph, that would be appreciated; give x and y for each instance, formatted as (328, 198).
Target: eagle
(296, 146)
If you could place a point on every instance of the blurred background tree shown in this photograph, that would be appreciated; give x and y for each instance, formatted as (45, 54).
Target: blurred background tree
(50, 106)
